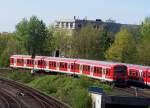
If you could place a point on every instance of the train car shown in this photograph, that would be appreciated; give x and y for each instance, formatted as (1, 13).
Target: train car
(57, 64)
(139, 74)
(17, 61)
(105, 71)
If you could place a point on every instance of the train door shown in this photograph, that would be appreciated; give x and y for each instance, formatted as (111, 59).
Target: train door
(103, 73)
(81, 68)
(57, 65)
(148, 77)
(141, 76)
(145, 76)
(69, 67)
(92, 70)
(15, 61)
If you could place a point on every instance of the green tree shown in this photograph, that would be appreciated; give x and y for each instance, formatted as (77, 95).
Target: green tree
(124, 47)
(22, 32)
(48, 46)
(37, 34)
(10, 45)
(62, 42)
(33, 34)
(22, 29)
(144, 43)
(91, 43)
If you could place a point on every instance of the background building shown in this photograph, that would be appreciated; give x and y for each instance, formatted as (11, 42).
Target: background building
(76, 23)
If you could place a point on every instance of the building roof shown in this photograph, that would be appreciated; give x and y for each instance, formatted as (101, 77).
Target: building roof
(96, 90)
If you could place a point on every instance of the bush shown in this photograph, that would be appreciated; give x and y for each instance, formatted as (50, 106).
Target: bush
(24, 77)
(70, 90)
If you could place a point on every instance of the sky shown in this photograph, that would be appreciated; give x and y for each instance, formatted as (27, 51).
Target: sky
(123, 11)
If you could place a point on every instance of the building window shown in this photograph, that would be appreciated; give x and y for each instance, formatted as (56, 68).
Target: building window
(79, 25)
(62, 24)
(67, 25)
(71, 25)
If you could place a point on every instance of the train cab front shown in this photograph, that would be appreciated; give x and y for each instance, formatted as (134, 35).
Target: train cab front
(120, 75)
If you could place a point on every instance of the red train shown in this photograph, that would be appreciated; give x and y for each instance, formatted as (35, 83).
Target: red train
(139, 74)
(106, 71)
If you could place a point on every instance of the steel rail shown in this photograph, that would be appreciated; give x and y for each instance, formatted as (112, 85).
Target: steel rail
(5, 102)
(49, 102)
(12, 101)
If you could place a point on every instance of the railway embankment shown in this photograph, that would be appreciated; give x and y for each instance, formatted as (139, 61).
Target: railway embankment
(73, 91)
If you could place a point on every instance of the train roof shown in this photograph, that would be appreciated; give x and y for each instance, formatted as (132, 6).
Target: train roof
(28, 56)
(137, 66)
(94, 62)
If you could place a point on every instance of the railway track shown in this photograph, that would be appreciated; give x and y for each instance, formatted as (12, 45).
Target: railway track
(133, 91)
(45, 101)
(16, 95)
(8, 101)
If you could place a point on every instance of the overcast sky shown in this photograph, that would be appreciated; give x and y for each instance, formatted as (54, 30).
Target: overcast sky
(123, 11)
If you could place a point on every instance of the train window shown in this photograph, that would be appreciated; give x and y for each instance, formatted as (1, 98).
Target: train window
(40, 62)
(120, 69)
(148, 75)
(107, 71)
(86, 68)
(77, 66)
(44, 63)
(63, 65)
(144, 73)
(52, 64)
(133, 72)
(20, 61)
(95, 69)
(29, 61)
(98, 70)
(72, 66)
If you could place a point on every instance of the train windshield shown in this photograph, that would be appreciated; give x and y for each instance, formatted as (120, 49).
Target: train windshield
(120, 70)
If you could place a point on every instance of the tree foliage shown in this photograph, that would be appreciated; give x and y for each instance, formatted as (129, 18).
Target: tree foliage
(144, 43)
(37, 34)
(62, 42)
(91, 43)
(33, 34)
(9, 45)
(124, 47)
